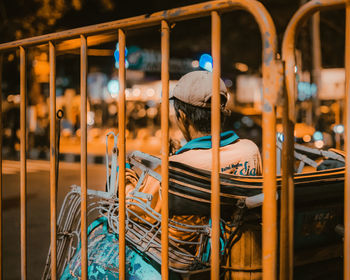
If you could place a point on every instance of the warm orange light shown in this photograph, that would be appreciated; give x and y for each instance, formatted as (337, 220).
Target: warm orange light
(307, 138)
(241, 66)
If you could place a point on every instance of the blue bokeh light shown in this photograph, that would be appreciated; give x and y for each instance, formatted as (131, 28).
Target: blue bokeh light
(338, 129)
(206, 62)
(116, 57)
(306, 90)
(113, 87)
(318, 136)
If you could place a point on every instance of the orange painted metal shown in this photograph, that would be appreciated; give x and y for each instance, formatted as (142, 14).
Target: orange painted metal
(270, 89)
(288, 56)
(347, 147)
(53, 148)
(165, 45)
(269, 208)
(1, 132)
(83, 157)
(287, 197)
(121, 154)
(272, 81)
(172, 15)
(23, 163)
(215, 131)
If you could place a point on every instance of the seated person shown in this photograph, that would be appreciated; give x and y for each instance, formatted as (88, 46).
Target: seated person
(192, 103)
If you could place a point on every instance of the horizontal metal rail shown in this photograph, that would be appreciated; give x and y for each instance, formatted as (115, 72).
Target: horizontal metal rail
(178, 14)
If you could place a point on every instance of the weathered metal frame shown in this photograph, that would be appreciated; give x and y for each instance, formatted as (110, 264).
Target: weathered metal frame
(1, 133)
(287, 194)
(270, 89)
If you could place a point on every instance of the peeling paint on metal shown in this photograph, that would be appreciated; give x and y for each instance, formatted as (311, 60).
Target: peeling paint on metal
(206, 7)
(268, 57)
(263, 16)
(177, 12)
(267, 107)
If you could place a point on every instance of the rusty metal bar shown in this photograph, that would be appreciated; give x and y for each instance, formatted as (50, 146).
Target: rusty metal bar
(287, 197)
(347, 149)
(122, 152)
(83, 155)
(177, 14)
(215, 130)
(269, 209)
(316, 61)
(268, 32)
(288, 57)
(1, 131)
(165, 45)
(53, 148)
(23, 164)
(271, 85)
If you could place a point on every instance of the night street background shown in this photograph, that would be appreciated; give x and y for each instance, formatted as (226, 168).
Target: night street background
(189, 41)
(38, 211)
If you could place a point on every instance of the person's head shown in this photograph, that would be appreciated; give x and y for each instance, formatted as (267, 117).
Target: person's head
(192, 103)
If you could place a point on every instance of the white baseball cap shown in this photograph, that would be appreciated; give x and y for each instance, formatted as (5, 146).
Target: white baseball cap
(195, 88)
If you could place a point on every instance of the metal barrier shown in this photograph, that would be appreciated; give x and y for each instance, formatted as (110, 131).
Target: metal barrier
(271, 82)
(287, 195)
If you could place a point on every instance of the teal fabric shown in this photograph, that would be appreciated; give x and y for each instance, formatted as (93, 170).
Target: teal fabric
(103, 251)
(226, 138)
(127, 165)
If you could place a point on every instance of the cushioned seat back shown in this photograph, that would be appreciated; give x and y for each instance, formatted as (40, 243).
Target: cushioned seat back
(190, 190)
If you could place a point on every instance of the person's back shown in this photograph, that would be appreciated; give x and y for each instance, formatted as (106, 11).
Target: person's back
(241, 157)
(192, 102)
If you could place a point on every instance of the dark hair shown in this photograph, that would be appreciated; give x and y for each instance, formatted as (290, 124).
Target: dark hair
(200, 117)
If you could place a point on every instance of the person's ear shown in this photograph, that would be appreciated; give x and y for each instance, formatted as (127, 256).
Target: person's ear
(182, 116)
(183, 124)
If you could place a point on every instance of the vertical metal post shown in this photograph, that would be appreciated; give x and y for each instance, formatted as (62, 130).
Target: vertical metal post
(165, 146)
(288, 120)
(83, 155)
(347, 147)
(316, 62)
(1, 67)
(215, 130)
(53, 191)
(287, 196)
(269, 208)
(121, 149)
(23, 163)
